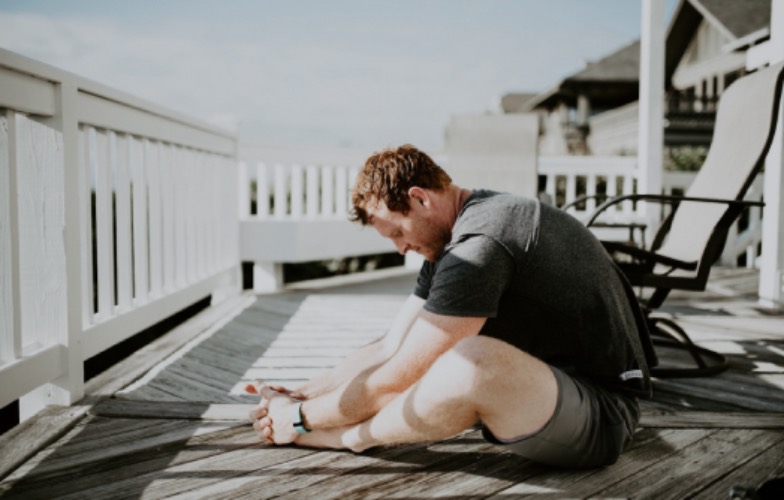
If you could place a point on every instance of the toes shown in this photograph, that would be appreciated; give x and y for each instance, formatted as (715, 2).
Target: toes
(257, 413)
(254, 387)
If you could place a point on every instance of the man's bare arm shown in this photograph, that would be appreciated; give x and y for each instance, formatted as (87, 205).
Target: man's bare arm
(363, 395)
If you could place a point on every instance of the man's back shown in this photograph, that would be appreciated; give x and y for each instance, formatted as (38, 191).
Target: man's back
(546, 285)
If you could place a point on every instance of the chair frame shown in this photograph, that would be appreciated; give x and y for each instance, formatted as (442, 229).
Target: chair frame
(665, 331)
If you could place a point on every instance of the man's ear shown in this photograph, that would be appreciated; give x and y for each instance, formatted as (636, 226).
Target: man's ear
(418, 195)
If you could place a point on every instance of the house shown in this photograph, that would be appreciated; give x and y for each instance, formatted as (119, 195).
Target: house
(594, 111)
(565, 109)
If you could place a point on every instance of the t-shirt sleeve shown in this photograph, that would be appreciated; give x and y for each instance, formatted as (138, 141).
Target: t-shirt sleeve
(470, 279)
(422, 288)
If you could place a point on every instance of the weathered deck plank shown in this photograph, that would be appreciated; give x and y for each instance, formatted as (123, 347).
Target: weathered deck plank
(117, 466)
(752, 472)
(686, 471)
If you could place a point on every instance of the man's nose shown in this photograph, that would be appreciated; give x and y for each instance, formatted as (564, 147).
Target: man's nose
(401, 246)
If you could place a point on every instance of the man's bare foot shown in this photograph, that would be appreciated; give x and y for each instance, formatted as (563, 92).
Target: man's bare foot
(338, 438)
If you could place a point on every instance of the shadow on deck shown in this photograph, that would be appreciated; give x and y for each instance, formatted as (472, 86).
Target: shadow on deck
(170, 420)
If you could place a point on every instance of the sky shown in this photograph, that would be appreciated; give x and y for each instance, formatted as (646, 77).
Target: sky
(323, 73)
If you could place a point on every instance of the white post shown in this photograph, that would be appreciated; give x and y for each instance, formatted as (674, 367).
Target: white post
(267, 276)
(651, 114)
(10, 291)
(69, 388)
(771, 287)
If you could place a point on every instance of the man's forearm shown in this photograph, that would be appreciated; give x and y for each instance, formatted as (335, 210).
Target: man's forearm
(360, 360)
(349, 404)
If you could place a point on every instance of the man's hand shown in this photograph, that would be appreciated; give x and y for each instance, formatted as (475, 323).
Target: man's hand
(273, 417)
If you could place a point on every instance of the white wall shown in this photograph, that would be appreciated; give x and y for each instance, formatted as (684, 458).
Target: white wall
(493, 151)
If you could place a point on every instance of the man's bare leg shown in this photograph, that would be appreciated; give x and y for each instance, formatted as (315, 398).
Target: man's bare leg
(481, 378)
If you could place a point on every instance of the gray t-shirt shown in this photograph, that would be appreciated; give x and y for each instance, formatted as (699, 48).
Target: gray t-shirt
(546, 285)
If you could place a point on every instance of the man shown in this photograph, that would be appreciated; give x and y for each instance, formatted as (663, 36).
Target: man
(519, 320)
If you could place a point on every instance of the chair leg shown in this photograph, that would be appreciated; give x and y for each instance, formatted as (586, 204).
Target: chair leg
(666, 332)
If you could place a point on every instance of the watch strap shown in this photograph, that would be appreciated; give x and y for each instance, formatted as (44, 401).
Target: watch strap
(297, 421)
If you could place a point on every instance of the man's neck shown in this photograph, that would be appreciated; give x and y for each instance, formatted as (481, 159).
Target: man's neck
(458, 197)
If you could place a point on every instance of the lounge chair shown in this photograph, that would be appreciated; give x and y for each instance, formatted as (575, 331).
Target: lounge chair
(691, 238)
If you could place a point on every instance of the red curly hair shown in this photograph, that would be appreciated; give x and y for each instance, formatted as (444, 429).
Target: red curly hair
(389, 174)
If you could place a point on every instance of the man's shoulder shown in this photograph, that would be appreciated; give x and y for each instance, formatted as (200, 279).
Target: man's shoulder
(498, 215)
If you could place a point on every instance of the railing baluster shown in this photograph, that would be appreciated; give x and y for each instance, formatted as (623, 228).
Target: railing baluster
(139, 194)
(612, 190)
(297, 191)
(180, 218)
(86, 229)
(549, 186)
(352, 178)
(213, 214)
(327, 191)
(151, 160)
(103, 214)
(168, 224)
(281, 192)
(119, 154)
(628, 183)
(571, 188)
(341, 187)
(262, 191)
(243, 190)
(312, 200)
(590, 191)
(201, 213)
(196, 205)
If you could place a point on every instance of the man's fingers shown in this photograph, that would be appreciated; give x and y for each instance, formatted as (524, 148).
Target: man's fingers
(254, 387)
(257, 413)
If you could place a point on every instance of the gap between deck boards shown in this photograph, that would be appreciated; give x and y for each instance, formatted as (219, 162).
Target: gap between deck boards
(189, 410)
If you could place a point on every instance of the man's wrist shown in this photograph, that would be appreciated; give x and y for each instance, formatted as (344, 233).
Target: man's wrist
(298, 421)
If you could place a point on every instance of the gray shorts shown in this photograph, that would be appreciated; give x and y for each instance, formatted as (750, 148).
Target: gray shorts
(590, 427)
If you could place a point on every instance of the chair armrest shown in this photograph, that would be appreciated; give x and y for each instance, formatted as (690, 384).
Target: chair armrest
(649, 256)
(578, 200)
(668, 199)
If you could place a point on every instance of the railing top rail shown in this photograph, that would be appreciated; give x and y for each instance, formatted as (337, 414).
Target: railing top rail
(587, 165)
(53, 75)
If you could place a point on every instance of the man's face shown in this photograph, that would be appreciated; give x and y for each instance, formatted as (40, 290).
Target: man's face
(418, 230)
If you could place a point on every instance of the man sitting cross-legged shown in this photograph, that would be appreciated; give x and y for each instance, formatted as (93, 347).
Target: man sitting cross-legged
(519, 321)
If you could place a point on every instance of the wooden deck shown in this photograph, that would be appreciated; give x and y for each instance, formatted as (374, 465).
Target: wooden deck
(169, 421)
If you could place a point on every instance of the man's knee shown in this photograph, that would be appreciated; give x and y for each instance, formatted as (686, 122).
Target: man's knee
(487, 365)
(486, 353)
(473, 360)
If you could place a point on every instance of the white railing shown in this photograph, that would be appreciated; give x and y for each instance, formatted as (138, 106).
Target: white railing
(297, 192)
(114, 214)
(292, 214)
(570, 177)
